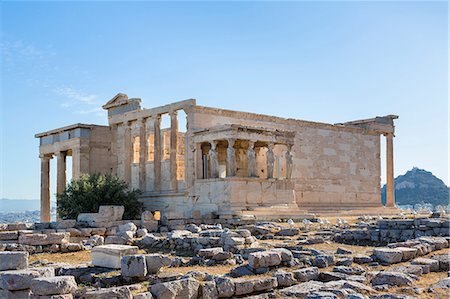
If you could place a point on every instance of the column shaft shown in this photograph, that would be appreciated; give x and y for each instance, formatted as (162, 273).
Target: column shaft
(61, 172)
(390, 196)
(142, 155)
(45, 189)
(157, 148)
(173, 150)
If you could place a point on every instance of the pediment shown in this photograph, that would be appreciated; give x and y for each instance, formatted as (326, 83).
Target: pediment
(118, 100)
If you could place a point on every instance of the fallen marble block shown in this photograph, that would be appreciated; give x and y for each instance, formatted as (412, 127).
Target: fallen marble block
(110, 256)
(134, 266)
(13, 260)
(57, 285)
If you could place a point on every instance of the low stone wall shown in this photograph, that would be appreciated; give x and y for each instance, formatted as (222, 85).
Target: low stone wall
(395, 230)
(61, 236)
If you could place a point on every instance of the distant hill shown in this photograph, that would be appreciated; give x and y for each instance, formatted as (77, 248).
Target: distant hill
(418, 186)
(20, 205)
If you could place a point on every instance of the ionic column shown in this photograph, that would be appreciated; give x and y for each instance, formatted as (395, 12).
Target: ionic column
(142, 154)
(270, 160)
(61, 172)
(390, 195)
(45, 188)
(157, 148)
(231, 158)
(251, 156)
(173, 149)
(289, 162)
(213, 159)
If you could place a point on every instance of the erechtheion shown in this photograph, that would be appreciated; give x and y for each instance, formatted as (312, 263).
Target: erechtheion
(227, 163)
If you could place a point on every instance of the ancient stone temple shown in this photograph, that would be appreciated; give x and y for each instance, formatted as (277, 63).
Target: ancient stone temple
(226, 163)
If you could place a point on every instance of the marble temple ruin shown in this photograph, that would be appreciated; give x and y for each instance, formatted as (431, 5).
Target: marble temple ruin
(226, 163)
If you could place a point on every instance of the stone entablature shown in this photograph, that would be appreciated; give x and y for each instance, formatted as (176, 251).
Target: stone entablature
(224, 156)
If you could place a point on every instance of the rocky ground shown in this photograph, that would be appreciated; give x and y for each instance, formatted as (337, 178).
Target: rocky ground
(261, 260)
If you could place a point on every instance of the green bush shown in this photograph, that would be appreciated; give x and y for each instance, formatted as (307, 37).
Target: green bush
(86, 194)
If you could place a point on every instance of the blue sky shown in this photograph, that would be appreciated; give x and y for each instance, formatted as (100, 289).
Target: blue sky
(320, 61)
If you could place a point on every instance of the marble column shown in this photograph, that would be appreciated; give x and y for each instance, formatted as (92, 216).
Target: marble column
(45, 188)
(251, 156)
(128, 153)
(270, 160)
(157, 155)
(61, 172)
(231, 158)
(213, 160)
(289, 162)
(390, 195)
(173, 150)
(142, 154)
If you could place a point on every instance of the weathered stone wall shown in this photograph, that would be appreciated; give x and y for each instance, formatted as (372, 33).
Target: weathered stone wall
(396, 230)
(332, 165)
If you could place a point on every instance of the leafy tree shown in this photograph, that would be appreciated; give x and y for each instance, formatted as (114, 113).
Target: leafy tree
(86, 194)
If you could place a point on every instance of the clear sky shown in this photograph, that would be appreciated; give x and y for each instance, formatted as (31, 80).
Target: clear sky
(321, 61)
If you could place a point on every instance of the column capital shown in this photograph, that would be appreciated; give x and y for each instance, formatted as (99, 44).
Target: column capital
(231, 141)
(213, 144)
(173, 113)
(270, 145)
(251, 143)
(45, 156)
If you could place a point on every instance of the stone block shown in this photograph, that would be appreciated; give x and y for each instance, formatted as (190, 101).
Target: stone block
(145, 295)
(243, 287)
(134, 266)
(210, 252)
(109, 256)
(209, 290)
(264, 259)
(392, 279)
(53, 285)
(286, 255)
(388, 255)
(284, 278)
(109, 293)
(156, 261)
(433, 264)
(407, 253)
(265, 284)
(177, 289)
(9, 235)
(20, 294)
(225, 287)
(306, 274)
(13, 260)
(15, 280)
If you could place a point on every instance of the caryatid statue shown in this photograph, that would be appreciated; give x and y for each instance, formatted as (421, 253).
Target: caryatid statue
(213, 160)
(231, 158)
(251, 156)
(289, 162)
(270, 160)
